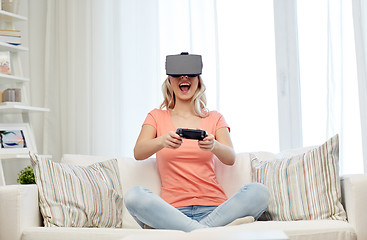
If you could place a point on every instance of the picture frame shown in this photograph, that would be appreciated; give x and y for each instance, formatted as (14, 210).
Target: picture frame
(16, 139)
(5, 63)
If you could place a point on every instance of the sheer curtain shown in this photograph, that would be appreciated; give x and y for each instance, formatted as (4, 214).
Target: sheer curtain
(67, 75)
(281, 79)
(360, 30)
(328, 75)
(101, 76)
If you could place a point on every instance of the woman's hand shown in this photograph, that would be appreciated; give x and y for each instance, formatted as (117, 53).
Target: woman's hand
(171, 140)
(148, 143)
(208, 143)
(221, 146)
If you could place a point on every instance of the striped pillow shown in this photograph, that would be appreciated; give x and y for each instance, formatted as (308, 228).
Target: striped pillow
(302, 187)
(76, 196)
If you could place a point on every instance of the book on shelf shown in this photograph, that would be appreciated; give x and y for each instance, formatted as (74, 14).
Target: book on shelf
(10, 36)
(12, 95)
(10, 40)
(5, 63)
(10, 32)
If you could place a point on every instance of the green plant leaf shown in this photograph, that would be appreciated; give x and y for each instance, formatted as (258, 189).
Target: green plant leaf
(26, 176)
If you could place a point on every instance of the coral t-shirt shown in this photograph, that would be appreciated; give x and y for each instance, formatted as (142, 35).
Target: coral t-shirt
(187, 173)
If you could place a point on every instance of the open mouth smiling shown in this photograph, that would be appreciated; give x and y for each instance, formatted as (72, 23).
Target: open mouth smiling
(185, 86)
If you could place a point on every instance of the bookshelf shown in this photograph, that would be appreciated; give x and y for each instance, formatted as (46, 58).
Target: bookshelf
(16, 116)
(11, 18)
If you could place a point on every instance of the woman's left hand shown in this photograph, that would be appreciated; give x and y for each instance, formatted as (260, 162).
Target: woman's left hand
(208, 143)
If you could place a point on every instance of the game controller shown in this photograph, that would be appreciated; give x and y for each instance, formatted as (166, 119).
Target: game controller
(191, 133)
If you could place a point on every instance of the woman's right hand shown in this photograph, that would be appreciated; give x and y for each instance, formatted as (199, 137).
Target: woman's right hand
(148, 144)
(171, 140)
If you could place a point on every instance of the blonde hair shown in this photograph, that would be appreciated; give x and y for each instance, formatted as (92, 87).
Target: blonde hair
(198, 100)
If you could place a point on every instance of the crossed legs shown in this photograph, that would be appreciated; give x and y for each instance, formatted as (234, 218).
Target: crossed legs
(150, 209)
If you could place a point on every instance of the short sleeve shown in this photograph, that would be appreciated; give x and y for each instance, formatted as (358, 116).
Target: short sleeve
(151, 119)
(221, 123)
(216, 121)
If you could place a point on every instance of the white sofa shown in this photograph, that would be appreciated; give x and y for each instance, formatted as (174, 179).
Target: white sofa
(20, 217)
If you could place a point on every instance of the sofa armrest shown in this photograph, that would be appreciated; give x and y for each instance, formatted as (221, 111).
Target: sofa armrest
(354, 198)
(18, 210)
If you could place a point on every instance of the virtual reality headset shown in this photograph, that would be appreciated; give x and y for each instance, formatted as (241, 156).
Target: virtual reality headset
(184, 64)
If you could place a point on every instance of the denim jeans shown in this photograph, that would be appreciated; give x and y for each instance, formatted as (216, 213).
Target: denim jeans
(150, 209)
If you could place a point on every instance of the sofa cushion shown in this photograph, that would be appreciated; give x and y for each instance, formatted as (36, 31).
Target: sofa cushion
(77, 196)
(132, 173)
(240, 171)
(297, 230)
(302, 186)
(70, 233)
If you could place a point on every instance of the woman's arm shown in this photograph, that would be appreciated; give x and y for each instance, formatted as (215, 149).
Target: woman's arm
(221, 146)
(148, 143)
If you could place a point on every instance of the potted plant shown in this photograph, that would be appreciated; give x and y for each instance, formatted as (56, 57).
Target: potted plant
(26, 176)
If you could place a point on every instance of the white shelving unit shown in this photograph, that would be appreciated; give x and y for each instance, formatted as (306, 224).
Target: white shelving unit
(16, 112)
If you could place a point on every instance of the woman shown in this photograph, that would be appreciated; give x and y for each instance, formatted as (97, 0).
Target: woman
(191, 197)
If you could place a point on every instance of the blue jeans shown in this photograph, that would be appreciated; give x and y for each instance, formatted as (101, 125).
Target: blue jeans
(150, 209)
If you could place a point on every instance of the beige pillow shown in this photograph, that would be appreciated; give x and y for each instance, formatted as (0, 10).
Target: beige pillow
(304, 186)
(76, 196)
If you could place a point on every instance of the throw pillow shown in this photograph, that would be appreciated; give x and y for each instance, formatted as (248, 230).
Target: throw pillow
(76, 196)
(302, 187)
